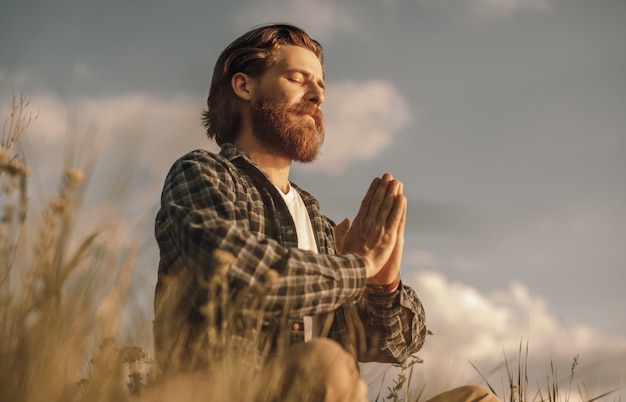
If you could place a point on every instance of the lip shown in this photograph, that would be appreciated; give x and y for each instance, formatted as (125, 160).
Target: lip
(312, 117)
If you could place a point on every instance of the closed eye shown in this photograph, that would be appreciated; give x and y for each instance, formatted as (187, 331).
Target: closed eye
(296, 78)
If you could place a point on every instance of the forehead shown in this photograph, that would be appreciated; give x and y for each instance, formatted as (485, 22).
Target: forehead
(291, 57)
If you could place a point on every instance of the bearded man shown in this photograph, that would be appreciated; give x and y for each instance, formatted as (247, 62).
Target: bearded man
(283, 270)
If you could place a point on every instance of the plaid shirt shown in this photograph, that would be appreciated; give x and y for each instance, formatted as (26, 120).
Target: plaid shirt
(225, 202)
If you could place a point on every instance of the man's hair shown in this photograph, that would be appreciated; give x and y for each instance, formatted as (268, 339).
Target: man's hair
(253, 54)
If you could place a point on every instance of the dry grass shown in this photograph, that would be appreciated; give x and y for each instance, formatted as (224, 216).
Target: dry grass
(555, 388)
(58, 292)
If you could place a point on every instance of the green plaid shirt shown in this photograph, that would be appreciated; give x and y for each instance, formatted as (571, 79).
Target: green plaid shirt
(225, 202)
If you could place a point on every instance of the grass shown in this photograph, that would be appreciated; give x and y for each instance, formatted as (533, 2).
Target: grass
(517, 383)
(62, 307)
(58, 291)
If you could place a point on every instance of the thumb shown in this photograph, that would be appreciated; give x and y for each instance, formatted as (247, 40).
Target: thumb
(340, 233)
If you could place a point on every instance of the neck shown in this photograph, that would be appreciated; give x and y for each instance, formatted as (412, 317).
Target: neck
(274, 165)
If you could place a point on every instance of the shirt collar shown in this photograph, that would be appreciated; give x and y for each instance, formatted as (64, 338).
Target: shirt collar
(231, 152)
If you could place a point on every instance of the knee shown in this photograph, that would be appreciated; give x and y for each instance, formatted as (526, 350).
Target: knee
(324, 371)
(479, 393)
(467, 393)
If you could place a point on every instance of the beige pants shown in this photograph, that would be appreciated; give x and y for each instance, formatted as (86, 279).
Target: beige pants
(318, 371)
(467, 393)
(322, 371)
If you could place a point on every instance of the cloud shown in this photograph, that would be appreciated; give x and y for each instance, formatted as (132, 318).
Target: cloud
(481, 328)
(321, 19)
(129, 141)
(362, 119)
(148, 133)
(140, 134)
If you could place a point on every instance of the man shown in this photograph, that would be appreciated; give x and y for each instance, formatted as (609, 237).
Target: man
(246, 252)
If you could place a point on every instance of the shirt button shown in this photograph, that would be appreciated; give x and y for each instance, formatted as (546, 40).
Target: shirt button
(289, 231)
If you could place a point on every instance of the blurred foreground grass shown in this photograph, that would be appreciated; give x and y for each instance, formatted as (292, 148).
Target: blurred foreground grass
(59, 292)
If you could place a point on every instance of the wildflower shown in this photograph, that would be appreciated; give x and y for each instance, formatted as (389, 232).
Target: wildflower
(9, 210)
(5, 156)
(14, 167)
(74, 177)
(58, 205)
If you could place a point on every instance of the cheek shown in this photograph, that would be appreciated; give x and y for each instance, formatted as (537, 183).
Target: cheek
(281, 94)
(289, 96)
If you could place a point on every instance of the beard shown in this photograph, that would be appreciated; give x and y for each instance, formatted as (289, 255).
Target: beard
(287, 130)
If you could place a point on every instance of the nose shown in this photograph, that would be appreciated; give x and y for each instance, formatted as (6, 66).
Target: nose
(315, 95)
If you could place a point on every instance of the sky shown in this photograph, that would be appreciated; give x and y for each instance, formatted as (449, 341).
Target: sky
(505, 119)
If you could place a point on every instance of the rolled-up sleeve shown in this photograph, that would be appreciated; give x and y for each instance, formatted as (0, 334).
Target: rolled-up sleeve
(398, 323)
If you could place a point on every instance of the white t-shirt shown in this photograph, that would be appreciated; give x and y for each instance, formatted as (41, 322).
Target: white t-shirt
(304, 230)
(306, 241)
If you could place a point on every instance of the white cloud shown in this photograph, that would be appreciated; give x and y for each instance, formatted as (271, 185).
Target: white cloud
(133, 123)
(481, 328)
(130, 140)
(321, 19)
(136, 131)
(51, 121)
(362, 119)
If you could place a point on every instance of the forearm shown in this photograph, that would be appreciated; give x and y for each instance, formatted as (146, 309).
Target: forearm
(281, 279)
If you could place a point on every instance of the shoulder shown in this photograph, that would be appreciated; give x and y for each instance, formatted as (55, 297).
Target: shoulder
(200, 171)
(201, 156)
(201, 161)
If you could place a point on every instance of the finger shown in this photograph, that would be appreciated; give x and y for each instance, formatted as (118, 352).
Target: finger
(401, 228)
(387, 204)
(403, 221)
(397, 217)
(398, 189)
(367, 200)
(402, 225)
(380, 204)
(387, 177)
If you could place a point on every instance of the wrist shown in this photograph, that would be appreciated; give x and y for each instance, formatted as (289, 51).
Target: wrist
(383, 289)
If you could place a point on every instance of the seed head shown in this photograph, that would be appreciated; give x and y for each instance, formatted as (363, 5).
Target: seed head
(74, 177)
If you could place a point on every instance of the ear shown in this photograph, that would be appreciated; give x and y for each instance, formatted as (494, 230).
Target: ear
(243, 85)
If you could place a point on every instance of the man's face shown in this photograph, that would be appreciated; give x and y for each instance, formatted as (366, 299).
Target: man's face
(285, 113)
